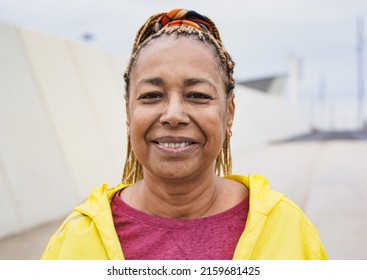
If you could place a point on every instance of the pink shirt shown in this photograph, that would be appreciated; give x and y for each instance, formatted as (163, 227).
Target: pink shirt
(147, 237)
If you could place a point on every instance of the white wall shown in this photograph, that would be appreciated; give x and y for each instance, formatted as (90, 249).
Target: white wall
(62, 124)
(261, 119)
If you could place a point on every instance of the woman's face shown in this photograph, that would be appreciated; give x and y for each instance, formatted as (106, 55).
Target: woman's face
(178, 113)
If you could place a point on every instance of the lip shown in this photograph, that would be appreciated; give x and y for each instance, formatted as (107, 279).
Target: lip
(175, 139)
(190, 144)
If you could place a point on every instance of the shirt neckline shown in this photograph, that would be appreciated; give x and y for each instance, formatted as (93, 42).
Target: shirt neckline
(119, 207)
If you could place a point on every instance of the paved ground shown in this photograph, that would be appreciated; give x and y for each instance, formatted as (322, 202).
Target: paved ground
(28, 245)
(324, 173)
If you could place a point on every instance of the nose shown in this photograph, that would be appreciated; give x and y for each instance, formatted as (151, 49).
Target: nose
(175, 112)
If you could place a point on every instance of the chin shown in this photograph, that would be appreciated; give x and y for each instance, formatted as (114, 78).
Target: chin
(172, 171)
(171, 175)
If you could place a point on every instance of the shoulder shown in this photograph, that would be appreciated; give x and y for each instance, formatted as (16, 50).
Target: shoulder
(88, 225)
(289, 211)
(279, 226)
(275, 205)
(70, 237)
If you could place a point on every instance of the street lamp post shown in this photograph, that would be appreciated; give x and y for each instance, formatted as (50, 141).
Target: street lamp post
(360, 74)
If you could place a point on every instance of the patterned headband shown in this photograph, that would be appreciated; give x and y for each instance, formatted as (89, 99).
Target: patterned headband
(179, 17)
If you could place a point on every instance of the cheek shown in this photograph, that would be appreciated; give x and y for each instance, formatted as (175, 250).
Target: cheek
(138, 124)
(213, 125)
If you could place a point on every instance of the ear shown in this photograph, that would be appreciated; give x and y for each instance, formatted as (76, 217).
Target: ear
(230, 110)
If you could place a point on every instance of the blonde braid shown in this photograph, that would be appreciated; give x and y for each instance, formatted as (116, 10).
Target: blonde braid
(133, 170)
(145, 31)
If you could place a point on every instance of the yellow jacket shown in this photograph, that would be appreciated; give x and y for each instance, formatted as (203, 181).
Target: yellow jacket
(276, 228)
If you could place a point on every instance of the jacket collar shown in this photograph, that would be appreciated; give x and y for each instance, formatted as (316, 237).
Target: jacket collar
(98, 208)
(262, 202)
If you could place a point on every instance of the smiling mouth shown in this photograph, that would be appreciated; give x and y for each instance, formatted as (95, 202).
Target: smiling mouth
(173, 143)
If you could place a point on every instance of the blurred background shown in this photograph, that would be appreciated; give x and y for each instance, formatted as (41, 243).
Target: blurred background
(300, 114)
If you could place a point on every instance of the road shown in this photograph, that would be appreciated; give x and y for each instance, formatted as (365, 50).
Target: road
(324, 173)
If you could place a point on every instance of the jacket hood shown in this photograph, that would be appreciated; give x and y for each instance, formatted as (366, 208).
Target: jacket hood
(98, 208)
(262, 198)
(262, 202)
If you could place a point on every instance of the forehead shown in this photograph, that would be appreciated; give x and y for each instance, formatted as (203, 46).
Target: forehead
(179, 39)
(182, 54)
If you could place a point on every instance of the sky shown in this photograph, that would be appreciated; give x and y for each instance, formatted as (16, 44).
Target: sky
(260, 35)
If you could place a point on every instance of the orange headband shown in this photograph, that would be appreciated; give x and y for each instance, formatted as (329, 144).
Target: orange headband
(178, 17)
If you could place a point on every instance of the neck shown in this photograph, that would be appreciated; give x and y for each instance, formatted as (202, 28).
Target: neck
(189, 199)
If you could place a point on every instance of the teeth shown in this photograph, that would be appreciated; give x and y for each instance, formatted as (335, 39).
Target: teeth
(174, 145)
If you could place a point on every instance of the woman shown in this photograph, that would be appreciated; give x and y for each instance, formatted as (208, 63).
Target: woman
(173, 203)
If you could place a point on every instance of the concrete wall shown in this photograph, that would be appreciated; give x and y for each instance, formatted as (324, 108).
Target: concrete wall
(62, 124)
(261, 119)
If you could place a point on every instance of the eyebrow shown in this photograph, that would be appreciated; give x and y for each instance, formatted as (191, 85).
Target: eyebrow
(154, 81)
(195, 81)
(187, 83)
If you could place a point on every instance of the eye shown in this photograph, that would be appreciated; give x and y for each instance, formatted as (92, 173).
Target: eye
(199, 97)
(150, 97)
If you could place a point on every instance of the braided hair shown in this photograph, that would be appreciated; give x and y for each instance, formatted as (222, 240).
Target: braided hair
(181, 23)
